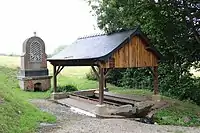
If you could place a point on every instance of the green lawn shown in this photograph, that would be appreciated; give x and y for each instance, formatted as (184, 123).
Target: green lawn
(16, 114)
(16, 100)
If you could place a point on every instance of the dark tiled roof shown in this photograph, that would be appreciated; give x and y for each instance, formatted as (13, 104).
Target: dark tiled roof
(95, 46)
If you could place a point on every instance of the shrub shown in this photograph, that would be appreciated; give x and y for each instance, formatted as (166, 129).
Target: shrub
(66, 88)
(91, 75)
(115, 76)
(138, 78)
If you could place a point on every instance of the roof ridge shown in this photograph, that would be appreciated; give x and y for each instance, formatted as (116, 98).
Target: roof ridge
(109, 33)
(92, 35)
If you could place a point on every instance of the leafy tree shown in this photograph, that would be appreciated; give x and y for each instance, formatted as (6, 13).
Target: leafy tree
(173, 28)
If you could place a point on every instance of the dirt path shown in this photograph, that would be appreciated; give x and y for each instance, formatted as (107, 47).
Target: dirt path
(69, 122)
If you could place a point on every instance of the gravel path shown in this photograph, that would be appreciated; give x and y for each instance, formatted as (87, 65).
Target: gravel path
(69, 122)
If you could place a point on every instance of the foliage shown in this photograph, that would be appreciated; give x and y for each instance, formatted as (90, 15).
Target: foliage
(173, 28)
(16, 114)
(181, 86)
(179, 113)
(66, 88)
(139, 78)
(114, 76)
(91, 75)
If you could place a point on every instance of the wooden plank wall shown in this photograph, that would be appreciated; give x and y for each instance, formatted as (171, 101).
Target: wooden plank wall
(133, 54)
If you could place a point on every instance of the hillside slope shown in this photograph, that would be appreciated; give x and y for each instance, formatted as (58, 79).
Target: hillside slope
(16, 114)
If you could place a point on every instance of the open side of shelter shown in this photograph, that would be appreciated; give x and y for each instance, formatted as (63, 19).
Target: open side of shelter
(124, 49)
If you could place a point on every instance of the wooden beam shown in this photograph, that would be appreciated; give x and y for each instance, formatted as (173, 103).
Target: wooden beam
(59, 70)
(101, 86)
(54, 79)
(155, 75)
(73, 62)
(95, 71)
(107, 72)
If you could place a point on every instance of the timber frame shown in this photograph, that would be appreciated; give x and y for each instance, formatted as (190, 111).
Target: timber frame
(134, 51)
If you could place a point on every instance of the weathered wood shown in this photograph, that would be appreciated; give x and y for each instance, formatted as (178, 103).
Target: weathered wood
(133, 54)
(95, 71)
(101, 86)
(111, 63)
(155, 69)
(54, 79)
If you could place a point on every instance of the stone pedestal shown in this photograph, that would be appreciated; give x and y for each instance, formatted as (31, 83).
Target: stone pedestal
(101, 109)
(33, 74)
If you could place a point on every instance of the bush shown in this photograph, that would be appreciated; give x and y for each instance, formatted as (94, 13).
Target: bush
(66, 88)
(91, 75)
(138, 78)
(115, 76)
(175, 82)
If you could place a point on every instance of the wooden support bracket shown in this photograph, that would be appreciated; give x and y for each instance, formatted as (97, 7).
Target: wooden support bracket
(106, 72)
(59, 69)
(95, 71)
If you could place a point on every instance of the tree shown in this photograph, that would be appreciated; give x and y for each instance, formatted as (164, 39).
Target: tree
(57, 50)
(171, 25)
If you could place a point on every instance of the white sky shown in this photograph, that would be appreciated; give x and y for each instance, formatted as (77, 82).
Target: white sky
(57, 22)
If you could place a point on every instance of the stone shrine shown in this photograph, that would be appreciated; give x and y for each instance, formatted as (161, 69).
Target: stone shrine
(33, 73)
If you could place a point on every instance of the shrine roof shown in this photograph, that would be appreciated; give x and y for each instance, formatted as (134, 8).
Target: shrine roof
(100, 46)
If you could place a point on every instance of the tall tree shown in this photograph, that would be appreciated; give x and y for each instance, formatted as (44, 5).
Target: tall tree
(171, 25)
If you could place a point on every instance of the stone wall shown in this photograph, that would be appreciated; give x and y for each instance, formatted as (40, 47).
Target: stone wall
(28, 84)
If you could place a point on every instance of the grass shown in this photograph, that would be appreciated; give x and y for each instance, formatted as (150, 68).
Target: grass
(10, 61)
(31, 95)
(16, 114)
(173, 115)
(80, 82)
(178, 113)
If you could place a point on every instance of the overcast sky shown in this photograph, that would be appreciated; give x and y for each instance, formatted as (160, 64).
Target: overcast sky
(57, 22)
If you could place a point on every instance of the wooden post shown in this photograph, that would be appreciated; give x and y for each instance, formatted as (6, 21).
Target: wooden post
(105, 86)
(155, 75)
(104, 78)
(54, 79)
(95, 71)
(101, 86)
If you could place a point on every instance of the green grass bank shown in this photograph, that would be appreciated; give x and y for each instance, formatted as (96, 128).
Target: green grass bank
(17, 115)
